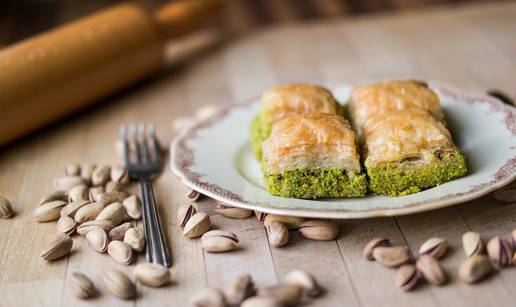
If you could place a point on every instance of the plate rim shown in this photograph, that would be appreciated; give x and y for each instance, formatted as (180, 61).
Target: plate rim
(502, 177)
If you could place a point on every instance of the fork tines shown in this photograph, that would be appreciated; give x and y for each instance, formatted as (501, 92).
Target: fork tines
(140, 144)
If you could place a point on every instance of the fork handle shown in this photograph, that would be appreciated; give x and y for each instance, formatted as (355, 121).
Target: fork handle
(157, 249)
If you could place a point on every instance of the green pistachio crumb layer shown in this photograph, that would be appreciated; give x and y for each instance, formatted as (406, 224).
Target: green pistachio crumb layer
(316, 183)
(407, 177)
(256, 137)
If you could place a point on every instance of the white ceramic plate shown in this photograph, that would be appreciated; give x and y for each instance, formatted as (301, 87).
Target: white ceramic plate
(214, 157)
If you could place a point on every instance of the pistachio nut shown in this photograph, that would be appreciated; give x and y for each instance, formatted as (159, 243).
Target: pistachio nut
(392, 256)
(88, 226)
(407, 277)
(120, 252)
(49, 211)
(57, 248)
(81, 286)
(78, 192)
(56, 195)
(72, 169)
(319, 230)
(472, 243)
(66, 225)
(500, 251)
(113, 186)
(65, 183)
(133, 207)
(114, 212)
(278, 234)
(208, 297)
(71, 208)
(119, 284)
(135, 238)
(258, 301)
(151, 274)
(240, 289)
(87, 171)
(100, 175)
(232, 212)
(112, 197)
(119, 174)
(197, 225)
(435, 247)
(260, 216)
(371, 245)
(292, 222)
(95, 192)
(218, 241)
(98, 239)
(192, 195)
(431, 270)
(475, 268)
(6, 210)
(305, 280)
(119, 231)
(88, 212)
(506, 194)
(184, 213)
(285, 294)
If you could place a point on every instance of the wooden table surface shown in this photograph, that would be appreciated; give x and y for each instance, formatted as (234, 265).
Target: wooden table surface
(471, 46)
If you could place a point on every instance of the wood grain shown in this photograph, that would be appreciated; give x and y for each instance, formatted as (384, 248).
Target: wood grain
(470, 46)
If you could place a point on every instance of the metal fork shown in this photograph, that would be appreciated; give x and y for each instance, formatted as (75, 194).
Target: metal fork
(142, 154)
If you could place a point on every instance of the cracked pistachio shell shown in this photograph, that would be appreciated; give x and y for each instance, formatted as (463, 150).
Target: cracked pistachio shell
(133, 207)
(218, 241)
(88, 212)
(49, 211)
(78, 192)
(192, 195)
(278, 234)
(392, 256)
(435, 247)
(286, 294)
(321, 230)
(66, 225)
(184, 213)
(88, 226)
(407, 277)
(431, 270)
(475, 268)
(371, 245)
(151, 274)
(65, 183)
(500, 251)
(113, 186)
(86, 172)
(100, 175)
(119, 284)
(95, 192)
(112, 197)
(98, 239)
(292, 222)
(305, 280)
(135, 238)
(118, 232)
(472, 243)
(120, 175)
(120, 252)
(56, 195)
(197, 225)
(57, 248)
(81, 286)
(232, 212)
(6, 210)
(240, 289)
(71, 208)
(114, 212)
(208, 297)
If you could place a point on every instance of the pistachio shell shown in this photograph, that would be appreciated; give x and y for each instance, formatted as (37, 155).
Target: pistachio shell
(57, 248)
(240, 289)
(150, 274)
(81, 286)
(407, 277)
(500, 251)
(98, 239)
(6, 210)
(319, 230)
(56, 195)
(78, 192)
(198, 224)
(374, 243)
(278, 234)
(66, 225)
(65, 183)
(217, 241)
(258, 301)
(88, 226)
(118, 232)
(260, 216)
(88, 212)
(431, 270)
(435, 247)
(475, 268)
(49, 211)
(120, 252)
(72, 169)
(95, 192)
(184, 213)
(113, 186)
(305, 280)
(119, 284)
(506, 194)
(472, 243)
(135, 238)
(133, 207)
(112, 197)
(286, 294)
(114, 212)
(208, 297)
(120, 175)
(392, 256)
(234, 213)
(86, 172)
(100, 175)
(292, 222)
(72, 208)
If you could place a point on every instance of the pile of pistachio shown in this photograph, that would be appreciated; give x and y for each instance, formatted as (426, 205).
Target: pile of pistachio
(90, 200)
(299, 287)
(198, 224)
(500, 253)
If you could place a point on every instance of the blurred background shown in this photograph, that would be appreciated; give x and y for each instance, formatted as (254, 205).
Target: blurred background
(22, 18)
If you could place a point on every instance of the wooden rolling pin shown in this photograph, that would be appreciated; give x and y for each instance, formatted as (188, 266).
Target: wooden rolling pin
(52, 74)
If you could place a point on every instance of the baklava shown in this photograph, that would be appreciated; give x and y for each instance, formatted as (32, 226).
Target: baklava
(313, 156)
(406, 144)
(282, 101)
